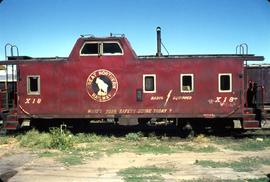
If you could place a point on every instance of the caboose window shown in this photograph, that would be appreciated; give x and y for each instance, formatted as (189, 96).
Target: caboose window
(101, 48)
(187, 84)
(33, 85)
(90, 49)
(225, 82)
(149, 83)
(111, 48)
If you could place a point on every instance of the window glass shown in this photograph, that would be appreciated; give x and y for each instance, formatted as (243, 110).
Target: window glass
(111, 48)
(33, 85)
(90, 48)
(149, 83)
(187, 83)
(225, 83)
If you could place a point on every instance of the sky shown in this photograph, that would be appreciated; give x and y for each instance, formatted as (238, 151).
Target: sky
(50, 28)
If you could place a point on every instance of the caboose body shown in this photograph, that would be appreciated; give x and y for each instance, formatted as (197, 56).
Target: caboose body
(103, 78)
(260, 73)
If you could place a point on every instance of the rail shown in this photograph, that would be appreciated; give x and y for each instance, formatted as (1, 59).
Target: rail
(10, 89)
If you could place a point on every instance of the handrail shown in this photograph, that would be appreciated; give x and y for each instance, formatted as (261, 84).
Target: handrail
(12, 47)
(242, 48)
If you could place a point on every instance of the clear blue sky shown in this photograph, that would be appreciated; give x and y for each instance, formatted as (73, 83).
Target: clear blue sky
(50, 28)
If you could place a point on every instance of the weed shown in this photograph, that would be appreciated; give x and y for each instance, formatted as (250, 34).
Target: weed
(246, 144)
(141, 174)
(212, 164)
(152, 135)
(257, 180)
(153, 148)
(196, 148)
(201, 139)
(116, 149)
(34, 139)
(206, 149)
(134, 136)
(56, 139)
(4, 140)
(71, 159)
(60, 139)
(250, 144)
(89, 138)
(48, 154)
(246, 164)
(228, 180)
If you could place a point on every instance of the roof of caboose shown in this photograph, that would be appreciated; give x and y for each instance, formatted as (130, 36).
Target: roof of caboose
(124, 41)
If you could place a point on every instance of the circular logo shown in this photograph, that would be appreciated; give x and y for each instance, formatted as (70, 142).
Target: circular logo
(101, 85)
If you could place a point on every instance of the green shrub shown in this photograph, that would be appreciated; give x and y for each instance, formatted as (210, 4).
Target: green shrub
(34, 139)
(61, 139)
(55, 139)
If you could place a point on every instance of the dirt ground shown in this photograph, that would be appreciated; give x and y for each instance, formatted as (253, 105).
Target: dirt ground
(20, 165)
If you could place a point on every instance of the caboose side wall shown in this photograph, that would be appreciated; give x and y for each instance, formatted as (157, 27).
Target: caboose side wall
(206, 100)
(65, 91)
(46, 102)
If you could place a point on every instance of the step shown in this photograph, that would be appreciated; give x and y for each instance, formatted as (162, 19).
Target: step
(11, 118)
(12, 115)
(251, 124)
(10, 127)
(11, 121)
(250, 115)
(267, 107)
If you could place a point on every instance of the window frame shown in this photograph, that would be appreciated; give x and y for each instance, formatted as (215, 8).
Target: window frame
(219, 82)
(100, 48)
(155, 83)
(29, 92)
(111, 54)
(181, 82)
(90, 42)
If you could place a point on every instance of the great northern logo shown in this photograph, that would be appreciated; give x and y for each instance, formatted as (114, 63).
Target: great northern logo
(101, 85)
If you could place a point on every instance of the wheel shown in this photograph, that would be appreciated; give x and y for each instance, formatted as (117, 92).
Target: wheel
(186, 130)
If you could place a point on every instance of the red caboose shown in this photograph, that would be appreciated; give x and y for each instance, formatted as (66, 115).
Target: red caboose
(103, 78)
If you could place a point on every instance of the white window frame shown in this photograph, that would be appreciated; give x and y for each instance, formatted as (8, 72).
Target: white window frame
(100, 48)
(181, 81)
(29, 92)
(155, 83)
(90, 42)
(219, 81)
(110, 54)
